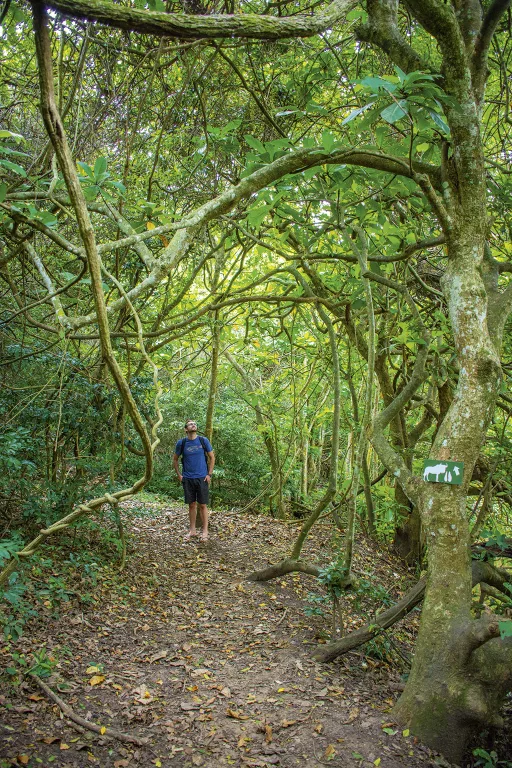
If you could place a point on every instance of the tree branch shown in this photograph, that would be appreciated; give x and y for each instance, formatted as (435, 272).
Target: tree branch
(382, 30)
(483, 42)
(188, 27)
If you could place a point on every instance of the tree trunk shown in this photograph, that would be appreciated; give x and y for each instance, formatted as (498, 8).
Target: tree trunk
(277, 478)
(446, 696)
(407, 540)
(212, 392)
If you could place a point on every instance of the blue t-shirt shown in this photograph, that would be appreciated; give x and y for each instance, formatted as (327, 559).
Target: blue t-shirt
(194, 461)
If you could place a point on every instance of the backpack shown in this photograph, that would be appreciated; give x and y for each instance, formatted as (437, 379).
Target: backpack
(181, 448)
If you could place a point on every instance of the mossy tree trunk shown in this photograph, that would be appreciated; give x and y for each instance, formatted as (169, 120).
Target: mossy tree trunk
(448, 692)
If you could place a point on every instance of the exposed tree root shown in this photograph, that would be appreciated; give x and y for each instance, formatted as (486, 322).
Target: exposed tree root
(68, 712)
(281, 569)
(482, 573)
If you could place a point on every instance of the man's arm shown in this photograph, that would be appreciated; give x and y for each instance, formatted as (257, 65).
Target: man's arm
(177, 467)
(211, 464)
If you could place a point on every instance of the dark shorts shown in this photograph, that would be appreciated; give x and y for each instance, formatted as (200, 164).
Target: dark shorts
(196, 489)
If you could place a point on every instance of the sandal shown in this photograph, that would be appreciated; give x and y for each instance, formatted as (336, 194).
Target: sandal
(189, 536)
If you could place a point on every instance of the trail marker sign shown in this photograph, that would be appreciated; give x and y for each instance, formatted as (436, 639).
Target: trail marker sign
(439, 471)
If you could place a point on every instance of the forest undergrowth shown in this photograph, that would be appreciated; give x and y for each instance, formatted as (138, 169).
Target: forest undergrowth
(200, 666)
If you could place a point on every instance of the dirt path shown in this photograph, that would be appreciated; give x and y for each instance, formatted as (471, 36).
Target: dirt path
(212, 669)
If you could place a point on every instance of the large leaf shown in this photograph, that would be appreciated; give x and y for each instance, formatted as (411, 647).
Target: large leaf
(13, 167)
(394, 112)
(4, 134)
(357, 112)
(438, 120)
(100, 166)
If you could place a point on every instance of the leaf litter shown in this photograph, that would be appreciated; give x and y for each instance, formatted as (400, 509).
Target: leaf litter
(188, 654)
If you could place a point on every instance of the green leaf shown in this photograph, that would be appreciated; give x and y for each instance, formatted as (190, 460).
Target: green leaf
(357, 15)
(255, 144)
(91, 192)
(377, 84)
(3, 192)
(255, 216)
(394, 112)
(14, 167)
(505, 628)
(357, 112)
(100, 166)
(328, 140)
(438, 120)
(4, 134)
(86, 170)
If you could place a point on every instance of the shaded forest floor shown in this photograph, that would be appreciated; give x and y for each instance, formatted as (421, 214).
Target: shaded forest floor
(212, 669)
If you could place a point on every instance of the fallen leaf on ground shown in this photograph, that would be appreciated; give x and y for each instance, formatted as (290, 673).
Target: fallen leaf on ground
(268, 734)
(157, 656)
(352, 715)
(330, 752)
(236, 715)
(96, 680)
(143, 695)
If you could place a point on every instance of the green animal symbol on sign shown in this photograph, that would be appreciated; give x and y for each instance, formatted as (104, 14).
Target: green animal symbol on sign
(450, 472)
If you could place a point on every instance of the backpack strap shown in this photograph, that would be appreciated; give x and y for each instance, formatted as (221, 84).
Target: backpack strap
(181, 446)
(203, 443)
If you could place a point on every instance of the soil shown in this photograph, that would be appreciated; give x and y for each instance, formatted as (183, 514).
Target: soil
(211, 669)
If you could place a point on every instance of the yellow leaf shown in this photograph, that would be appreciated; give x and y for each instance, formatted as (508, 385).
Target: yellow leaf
(96, 680)
(150, 225)
(268, 734)
(405, 733)
(158, 763)
(92, 670)
(64, 746)
(103, 730)
(377, 761)
(330, 752)
(236, 715)
(23, 759)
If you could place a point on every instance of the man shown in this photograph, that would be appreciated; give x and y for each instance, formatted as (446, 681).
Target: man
(196, 477)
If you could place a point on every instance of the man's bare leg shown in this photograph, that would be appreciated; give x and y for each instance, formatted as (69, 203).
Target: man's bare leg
(192, 512)
(203, 511)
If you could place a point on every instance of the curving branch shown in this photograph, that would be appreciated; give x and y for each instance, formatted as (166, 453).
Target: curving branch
(292, 163)
(389, 456)
(489, 26)
(382, 30)
(57, 136)
(189, 27)
(485, 630)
